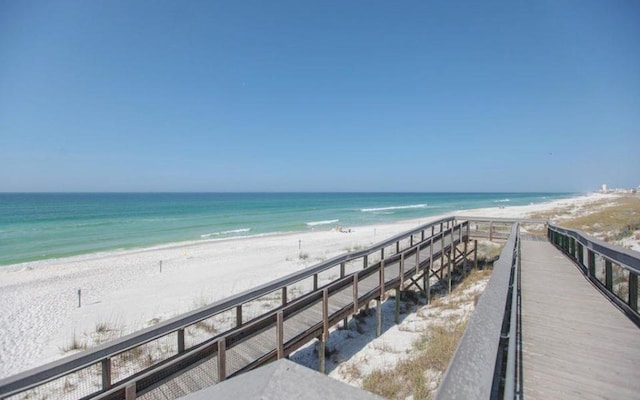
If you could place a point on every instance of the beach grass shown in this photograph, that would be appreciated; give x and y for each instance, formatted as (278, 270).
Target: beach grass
(418, 376)
(608, 219)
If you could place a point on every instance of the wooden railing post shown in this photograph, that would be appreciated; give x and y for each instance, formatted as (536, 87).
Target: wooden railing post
(365, 261)
(491, 231)
(451, 261)
(181, 347)
(222, 360)
(106, 373)
(475, 254)
(280, 334)
(633, 291)
(130, 391)
(325, 329)
(239, 315)
(581, 255)
(315, 281)
(418, 259)
(426, 276)
(355, 293)
(592, 262)
(285, 300)
(608, 275)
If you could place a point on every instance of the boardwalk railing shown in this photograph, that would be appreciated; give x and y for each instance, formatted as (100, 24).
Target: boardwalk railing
(612, 269)
(308, 303)
(484, 364)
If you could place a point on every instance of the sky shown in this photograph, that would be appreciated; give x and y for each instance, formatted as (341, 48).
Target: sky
(349, 96)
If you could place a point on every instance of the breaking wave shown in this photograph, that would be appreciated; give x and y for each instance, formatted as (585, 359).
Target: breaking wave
(223, 233)
(327, 222)
(393, 208)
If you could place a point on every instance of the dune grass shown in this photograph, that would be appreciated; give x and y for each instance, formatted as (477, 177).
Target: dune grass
(609, 219)
(418, 376)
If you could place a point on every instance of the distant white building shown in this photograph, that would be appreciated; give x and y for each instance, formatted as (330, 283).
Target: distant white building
(604, 188)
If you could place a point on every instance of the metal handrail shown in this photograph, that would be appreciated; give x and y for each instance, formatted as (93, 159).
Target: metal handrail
(575, 243)
(628, 259)
(54, 370)
(471, 374)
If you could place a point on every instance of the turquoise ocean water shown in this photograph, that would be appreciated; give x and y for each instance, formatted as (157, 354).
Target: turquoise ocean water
(50, 225)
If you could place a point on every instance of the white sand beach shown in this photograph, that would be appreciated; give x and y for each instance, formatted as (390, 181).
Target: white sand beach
(39, 313)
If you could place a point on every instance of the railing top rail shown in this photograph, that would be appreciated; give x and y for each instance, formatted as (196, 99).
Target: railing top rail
(470, 373)
(627, 259)
(60, 367)
(501, 219)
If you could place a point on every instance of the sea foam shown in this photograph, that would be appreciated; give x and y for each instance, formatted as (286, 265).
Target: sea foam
(222, 233)
(393, 208)
(327, 222)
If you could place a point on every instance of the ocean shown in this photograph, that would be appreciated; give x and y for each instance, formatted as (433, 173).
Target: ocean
(37, 226)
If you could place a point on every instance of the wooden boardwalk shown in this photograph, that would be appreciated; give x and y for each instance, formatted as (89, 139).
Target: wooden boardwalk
(575, 343)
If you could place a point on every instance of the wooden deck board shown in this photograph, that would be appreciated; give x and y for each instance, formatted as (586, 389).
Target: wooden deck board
(576, 344)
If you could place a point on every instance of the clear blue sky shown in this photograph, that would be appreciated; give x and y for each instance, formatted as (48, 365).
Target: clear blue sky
(319, 96)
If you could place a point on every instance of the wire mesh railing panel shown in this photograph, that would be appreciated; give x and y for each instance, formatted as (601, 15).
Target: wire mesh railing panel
(600, 270)
(620, 282)
(75, 385)
(262, 305)
(142, 357)
(328, 276)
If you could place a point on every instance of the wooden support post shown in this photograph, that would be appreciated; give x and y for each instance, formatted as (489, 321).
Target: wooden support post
(106, 373)
(382, 253)
(280, 334)
(426, 283)
(378, 317)
(433, 230)
(397, 247)
(325, 327)
(398, 291)
(633, 291)
(181, 347)
(451, 261)
(315, 281)
(475, 254)
(239, 315)
(345, 321)
(321, 350)
(130, 391)
(422, 235)
(608, 275)
(365, 262)
(285, 300)
(411, 241)
(222, 360)
(464, 258)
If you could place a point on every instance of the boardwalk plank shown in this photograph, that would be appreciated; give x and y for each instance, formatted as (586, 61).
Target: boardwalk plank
(576, 343)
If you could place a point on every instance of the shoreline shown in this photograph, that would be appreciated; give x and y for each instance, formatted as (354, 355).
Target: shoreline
(40, 313)
(65, 237)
